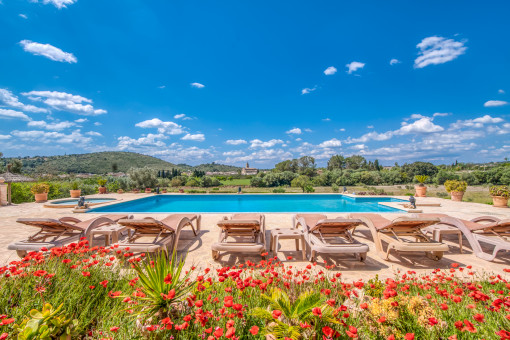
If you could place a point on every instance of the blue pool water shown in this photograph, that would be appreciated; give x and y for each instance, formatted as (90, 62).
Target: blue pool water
(215, 203)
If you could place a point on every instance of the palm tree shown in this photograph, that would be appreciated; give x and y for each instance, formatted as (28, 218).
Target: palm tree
(296, 316)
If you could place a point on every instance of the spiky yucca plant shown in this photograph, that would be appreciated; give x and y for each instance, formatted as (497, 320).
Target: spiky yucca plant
(294, 314)
(162, 283)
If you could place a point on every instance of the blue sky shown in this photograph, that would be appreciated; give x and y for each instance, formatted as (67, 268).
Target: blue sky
(237, 81)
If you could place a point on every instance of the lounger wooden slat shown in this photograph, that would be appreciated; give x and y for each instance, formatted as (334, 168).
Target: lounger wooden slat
(330, 236)
(402, 234)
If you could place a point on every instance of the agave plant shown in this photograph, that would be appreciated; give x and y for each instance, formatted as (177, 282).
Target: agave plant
(164, 286)
(293, 319)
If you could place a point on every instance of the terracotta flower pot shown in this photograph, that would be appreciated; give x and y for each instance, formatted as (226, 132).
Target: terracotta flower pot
(500, 201)
(164, 191)
(420, 191)
(457, 196)
(181, 191)
(75, 193)
(120, 191)
(41, 198)
(136, 191)
(102, 190)
(148, 190)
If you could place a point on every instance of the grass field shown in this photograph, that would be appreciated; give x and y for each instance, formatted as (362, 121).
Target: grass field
(241, 181)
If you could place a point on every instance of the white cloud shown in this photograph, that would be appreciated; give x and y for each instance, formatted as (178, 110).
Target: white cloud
(394, 61)
(58, 3)
(493, 103)
(500, 91)
(51, 126)
(440, 114)
(261, 156)
(370, 127)
(98, 123)
(93, 133)
(438, 50)
(371, 136)
(475, 123)
(257, 143)
(81, 120)
(170, 128)
(354, 66)
(9, 99)
(52, 137)
(5, 137)
(330, 71)
(332, 143)
(326, 119)
(342, 130)
(197, 85)
(295, 131)
(236, 141)
(151, 140)
(199, 137)
(182, 116)
(11, 114)
(422, 125)
(307, 90)
(177, 153)
(48, 51)
(63, 101)
(233, 153)
(21, 15)
(161, 87)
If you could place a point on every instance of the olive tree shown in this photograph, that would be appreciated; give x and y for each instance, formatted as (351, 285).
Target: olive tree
(143, 177)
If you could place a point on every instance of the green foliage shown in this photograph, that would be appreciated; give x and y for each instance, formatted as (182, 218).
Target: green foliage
(40, 188)
(375, 287)
(143, 177)
(102, 182)
(16, 166)
(193, 182)
(336, 162)
(75, 185)
(46, 324)
(178, 181)
(163, 282)
(355, 162)
(293, 314)
(279, 190)
(208, 181)
(421, 179)
(302, 182)
(444, 175)
(334, 188)
(499, 190)
(420, 168)
(455, 186)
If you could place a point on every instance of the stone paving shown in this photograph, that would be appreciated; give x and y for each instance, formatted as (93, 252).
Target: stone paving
(198, 249)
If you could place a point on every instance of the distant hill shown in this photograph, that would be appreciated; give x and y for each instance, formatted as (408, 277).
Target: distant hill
(95, 163)
(104, 162)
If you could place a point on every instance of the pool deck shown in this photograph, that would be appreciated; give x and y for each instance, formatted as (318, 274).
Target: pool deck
(198, 249)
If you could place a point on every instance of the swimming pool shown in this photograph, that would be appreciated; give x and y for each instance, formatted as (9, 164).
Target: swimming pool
(216, 203)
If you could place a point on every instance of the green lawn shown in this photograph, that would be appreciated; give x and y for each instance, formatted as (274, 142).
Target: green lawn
(242, 181)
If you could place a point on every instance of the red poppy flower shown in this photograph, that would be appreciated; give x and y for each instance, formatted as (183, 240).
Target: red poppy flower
(352, 332)
(168, 279)
(478, 317)
(363, 305)
(317, 311)
(254, 330)
(114, 329)
(218, 332)
(409, 336)
(276, 314)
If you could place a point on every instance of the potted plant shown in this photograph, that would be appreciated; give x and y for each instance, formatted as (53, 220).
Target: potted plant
(500, 194)
(120, 191)
(164, 191)
(135, 191)
(456, 189)
(75, 190)
(102, 187)
(181, 191)
(421, 189)
(148, 190)
(40, 191)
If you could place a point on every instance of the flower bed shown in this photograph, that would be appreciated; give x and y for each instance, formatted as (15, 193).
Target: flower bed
(104, 293)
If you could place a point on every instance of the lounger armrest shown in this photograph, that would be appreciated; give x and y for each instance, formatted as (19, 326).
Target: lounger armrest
(98, 222)
(69, 219)
(239, 222)
(486, 219)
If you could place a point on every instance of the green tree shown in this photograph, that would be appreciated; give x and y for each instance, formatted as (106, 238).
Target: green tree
(288, 165)
(16, 166)
(355, 162)
(336, 162)
(307, 166)
(302, 182)
(143, 177)
(420, 168)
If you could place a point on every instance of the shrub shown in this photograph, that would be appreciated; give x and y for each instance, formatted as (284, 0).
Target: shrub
(178, 181)
(102, 182)
(334, 187)
(455, 186)
(193, 182)
(75, 185)
(499, 190)
(302, 182)
(143, 177)
(279, 190)
(40, 188)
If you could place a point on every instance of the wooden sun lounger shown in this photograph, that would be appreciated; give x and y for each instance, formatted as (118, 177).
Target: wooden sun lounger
(59, 232)
(158, 234)
(403, 234)
(483, 229)
(241, 233)
(330, 236)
